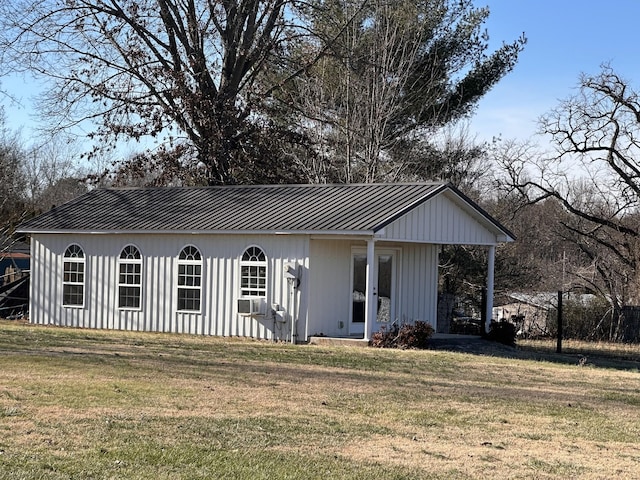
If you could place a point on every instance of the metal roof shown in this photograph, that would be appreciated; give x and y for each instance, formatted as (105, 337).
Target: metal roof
(356, 208)
(9, 246)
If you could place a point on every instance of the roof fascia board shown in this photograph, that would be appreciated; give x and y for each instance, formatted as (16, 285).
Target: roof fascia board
(359, 236)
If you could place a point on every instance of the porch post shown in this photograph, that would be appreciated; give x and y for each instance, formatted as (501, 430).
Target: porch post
(371, 295)
(491, 260)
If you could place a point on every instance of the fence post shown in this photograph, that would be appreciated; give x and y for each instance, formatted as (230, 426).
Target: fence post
(483, 313)
(559, 345)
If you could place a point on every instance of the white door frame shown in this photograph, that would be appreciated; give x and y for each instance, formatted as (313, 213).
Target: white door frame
(359, 328)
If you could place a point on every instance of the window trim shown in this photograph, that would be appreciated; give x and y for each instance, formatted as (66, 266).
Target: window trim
(187, 262)
(254, 263)
(130, 261)
(82, 260)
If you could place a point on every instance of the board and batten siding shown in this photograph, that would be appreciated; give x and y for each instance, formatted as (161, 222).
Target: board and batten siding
(221, 256)
(416, 289)
(440, 220)
(418, 284)
(329, 287)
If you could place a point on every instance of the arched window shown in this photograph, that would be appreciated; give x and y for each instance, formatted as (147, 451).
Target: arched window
(253, 273)
(130, 278)
(73, 277)
(189, 279)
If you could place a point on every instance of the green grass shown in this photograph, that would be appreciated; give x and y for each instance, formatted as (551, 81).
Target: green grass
(106, 405)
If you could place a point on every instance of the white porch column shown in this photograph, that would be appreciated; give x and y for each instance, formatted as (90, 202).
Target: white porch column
(491, 261)
(371, 295)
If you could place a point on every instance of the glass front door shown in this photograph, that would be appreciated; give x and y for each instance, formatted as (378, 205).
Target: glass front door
(358, 293)
(383, 292)
(385, 288)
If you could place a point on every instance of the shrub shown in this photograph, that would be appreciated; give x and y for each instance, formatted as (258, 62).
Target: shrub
(584, 320)
(385, 337)
(502, 332)
(415, 335)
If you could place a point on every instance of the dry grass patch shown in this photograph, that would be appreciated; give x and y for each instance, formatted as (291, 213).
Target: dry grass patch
(588, 353)
(80, 404)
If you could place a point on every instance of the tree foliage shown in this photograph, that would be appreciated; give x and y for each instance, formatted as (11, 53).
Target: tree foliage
(392, 76)
(236, 90)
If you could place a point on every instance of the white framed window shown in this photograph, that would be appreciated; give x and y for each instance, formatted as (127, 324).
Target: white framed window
(73, 277)
(253, 273)
(189, 279)
(130, 278)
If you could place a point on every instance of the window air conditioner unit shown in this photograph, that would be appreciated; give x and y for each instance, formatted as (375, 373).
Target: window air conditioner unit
(251, 306)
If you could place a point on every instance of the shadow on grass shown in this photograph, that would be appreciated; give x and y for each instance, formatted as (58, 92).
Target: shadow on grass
(56, 341)
(583, 356)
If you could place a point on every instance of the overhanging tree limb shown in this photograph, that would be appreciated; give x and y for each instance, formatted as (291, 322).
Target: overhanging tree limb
(595, 176)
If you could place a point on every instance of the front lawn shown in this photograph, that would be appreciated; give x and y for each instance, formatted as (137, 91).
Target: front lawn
(104, 405)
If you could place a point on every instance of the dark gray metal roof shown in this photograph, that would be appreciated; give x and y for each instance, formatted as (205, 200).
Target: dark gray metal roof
(8, 245)
(268, 208)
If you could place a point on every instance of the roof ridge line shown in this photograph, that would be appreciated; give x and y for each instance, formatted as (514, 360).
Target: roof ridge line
(272, 186)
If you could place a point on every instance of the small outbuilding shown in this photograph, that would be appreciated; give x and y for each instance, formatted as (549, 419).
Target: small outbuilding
(281, 262)
(14, 260)
(14, 277)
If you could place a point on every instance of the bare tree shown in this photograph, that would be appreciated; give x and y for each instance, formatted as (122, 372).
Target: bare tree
(12, 183)
(208, 78)
(595, 176)
(190, 71)
(45, 166)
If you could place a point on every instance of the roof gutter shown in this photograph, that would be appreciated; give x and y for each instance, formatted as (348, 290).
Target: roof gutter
(340, 233)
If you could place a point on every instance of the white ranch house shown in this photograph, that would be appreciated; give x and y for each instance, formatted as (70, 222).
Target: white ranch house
(281, 262)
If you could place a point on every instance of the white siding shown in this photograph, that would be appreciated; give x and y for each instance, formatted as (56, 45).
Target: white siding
(330, 297)
(220, 284)
(442, 221)
(322, 302)
(418, 295)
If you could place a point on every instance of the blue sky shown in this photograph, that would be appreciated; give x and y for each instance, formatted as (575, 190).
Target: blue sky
(565, 38)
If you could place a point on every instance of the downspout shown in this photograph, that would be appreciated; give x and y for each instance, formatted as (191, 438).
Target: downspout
(292, 274)
(294, 316)
(491, 260)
